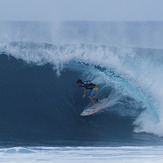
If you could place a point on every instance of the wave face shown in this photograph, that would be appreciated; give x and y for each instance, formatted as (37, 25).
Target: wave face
(40, 102)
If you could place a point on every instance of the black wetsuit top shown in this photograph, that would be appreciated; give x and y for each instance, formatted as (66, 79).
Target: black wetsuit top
(88, 85)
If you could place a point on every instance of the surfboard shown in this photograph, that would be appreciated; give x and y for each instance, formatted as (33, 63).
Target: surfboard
(99, 106)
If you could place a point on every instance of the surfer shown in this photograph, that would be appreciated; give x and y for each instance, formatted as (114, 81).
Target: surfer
(93, 90)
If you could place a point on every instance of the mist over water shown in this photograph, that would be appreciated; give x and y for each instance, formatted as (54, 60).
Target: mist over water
(123, 34)
(125, 59)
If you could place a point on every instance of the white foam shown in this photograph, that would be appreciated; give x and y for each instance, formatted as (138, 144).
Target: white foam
(82, 154)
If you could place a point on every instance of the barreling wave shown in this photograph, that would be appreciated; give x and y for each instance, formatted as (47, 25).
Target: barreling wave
(39, 98)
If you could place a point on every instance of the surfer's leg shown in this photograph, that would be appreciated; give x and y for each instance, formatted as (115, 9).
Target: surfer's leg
(91, 97)
(93, 104)
(96, 99)
(93, 93)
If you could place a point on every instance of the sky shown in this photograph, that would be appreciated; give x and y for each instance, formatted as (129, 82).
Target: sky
(86, 10)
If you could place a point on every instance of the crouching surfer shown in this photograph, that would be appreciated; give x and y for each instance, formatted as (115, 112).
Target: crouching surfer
(93, 90)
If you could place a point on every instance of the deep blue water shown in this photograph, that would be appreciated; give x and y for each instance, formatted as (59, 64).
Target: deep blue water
(40, 103)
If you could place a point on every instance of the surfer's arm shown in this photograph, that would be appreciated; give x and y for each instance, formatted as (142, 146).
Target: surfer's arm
(84, 92)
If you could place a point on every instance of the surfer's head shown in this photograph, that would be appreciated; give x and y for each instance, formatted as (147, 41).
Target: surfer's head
(79, 82)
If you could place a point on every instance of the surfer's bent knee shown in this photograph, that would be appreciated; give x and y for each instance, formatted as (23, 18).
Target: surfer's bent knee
(90, 97)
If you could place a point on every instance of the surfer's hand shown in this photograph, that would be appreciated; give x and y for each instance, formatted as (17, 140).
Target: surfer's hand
(83, 96)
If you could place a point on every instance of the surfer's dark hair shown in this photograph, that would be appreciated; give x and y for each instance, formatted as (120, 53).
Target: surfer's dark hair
(79, 81)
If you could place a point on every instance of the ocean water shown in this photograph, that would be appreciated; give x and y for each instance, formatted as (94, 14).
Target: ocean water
(82, 154)
(40, 103)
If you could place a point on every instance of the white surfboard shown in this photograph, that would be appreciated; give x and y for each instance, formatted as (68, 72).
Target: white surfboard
(99, 105)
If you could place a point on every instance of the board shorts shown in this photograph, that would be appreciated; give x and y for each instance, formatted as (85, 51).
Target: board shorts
(93, 92)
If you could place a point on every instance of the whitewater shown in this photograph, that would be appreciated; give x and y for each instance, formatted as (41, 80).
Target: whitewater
(40, 103)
